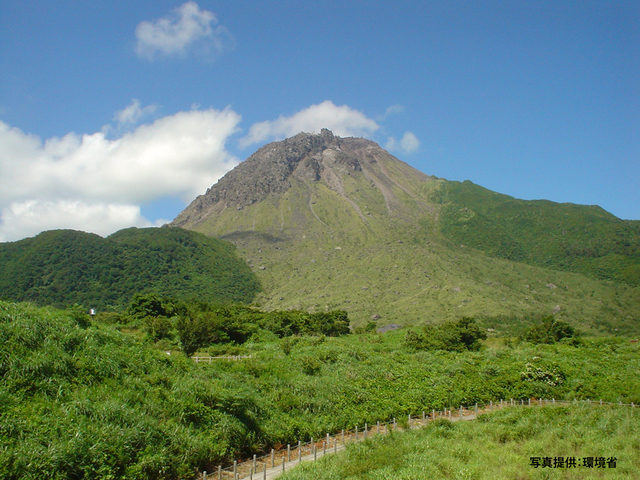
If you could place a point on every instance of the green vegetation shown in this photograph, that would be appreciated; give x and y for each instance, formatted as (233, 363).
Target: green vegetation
(464, 334)
(396, 248)
(549, 331)
(81, 399)
(575, 238)
(497, 446)
(65, 267)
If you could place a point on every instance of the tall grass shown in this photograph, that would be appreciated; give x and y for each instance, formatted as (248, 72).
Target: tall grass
(496, 446)
(95, 403)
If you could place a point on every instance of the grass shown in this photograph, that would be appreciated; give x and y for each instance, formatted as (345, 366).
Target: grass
(95, 402)
(496, 446)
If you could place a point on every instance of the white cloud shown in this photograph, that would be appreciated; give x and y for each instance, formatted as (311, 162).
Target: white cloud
(95, 183)
(391, 145)
(30, 217)
(187, 27)
(409, 143)
(89, 182)
(392, 110)
(343, 121)
(133, 113)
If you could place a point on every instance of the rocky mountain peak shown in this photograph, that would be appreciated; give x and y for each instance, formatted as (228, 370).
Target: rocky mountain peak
(309, 157)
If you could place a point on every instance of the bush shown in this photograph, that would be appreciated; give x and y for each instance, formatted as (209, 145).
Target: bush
(461, 335)
(549, 331)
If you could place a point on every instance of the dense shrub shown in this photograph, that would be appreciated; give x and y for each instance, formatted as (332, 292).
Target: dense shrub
(549, 331)
(454, 336)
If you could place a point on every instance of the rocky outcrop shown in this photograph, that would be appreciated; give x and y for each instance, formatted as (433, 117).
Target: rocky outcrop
(269, 171)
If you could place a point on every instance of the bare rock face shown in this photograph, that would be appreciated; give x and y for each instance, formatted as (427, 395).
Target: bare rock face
(270, 170)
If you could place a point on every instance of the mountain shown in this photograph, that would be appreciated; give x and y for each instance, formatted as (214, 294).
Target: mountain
(63, 267)
(329, 222)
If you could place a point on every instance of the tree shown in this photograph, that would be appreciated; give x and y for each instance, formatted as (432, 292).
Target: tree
(150, 305)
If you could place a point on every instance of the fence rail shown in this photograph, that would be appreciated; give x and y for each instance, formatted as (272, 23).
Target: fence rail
(271, 465)
(209, 359)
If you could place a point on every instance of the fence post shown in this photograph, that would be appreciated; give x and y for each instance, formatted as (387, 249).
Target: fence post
(409, 421)
(529, 401)
(433, 414)
(264, 472)
(343, 436)
(273, 458)
(314, 452)
(204, 475)
(328, 437)
(356, 433)
(378, 426)
(324, 448)
(394, 424)
(251, 473)
(235, 469)
(299, 451)
(476, 409)
(219, 472)
(335, 445)
(491, 404)
(365, 431)
(254, 463)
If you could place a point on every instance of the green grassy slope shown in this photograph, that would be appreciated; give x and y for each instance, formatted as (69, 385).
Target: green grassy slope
(95, 403)
(64, 267)
(365, 232)
(312, 249)
(496, 446)
(577, 238)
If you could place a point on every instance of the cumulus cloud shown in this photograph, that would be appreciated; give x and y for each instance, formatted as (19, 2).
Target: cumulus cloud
(187, 27)
(409, 143)
(28, 218)
(344, 121)
(89, 182)
(133, 113)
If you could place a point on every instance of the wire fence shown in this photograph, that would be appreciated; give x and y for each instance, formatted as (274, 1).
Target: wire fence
(275, 462)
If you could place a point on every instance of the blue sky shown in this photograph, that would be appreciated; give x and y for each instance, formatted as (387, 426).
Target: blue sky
(116, 113)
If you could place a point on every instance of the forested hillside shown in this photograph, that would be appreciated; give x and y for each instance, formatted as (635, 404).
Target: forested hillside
(65, 267)
(576, 238)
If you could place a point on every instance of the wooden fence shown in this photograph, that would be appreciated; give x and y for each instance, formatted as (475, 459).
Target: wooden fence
(271, 465)
(210, 359)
